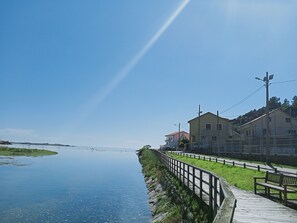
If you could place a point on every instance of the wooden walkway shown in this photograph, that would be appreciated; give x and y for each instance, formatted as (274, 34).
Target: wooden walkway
(254, 208)
(250, 208)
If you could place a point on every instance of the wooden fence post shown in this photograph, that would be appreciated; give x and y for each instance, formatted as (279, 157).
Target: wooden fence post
(215, 197)
(201, 183)
(193, 181)
(210, 192)
(188, 175)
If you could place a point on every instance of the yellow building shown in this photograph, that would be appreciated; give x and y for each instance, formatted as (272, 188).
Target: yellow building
(209, 131)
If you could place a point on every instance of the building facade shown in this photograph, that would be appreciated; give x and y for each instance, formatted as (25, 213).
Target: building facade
(172, 140)
(209, 132)
(282, 134)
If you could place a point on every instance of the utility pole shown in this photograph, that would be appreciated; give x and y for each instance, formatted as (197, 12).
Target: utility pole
(266, 80)
(218, 132)
(178, 134)
(198, 139)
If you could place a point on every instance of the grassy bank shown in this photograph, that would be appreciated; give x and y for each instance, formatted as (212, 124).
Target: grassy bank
(236, 176)
(178, 204)
(7, 151)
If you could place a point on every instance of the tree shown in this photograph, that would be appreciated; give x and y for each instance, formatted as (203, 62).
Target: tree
(294, 101)
(146, 147)
(286, 104)
(274, 103)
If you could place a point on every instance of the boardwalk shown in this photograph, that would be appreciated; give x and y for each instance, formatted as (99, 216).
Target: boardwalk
(254, 208)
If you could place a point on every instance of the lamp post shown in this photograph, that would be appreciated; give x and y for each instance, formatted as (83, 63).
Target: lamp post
(266, 80)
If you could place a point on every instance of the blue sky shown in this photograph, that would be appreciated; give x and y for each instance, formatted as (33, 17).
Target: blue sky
(123, 73)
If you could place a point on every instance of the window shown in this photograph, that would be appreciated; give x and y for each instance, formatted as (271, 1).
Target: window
(288, 120)
(264, 131)
(208, 126)
(219, 126)
(214, 138)
(270, 119)
(193, 138)
(292, 132)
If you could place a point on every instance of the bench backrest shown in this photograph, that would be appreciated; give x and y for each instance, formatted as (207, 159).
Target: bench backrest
(290, 180)
(274, 178)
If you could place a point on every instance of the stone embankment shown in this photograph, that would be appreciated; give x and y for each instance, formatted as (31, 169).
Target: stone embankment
(156, 194)
(169, 201)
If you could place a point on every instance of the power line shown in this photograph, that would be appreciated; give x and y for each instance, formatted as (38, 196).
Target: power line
(281, 82)
(243, 100)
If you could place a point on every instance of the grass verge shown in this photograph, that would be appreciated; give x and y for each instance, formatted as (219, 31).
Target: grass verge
(236, 176)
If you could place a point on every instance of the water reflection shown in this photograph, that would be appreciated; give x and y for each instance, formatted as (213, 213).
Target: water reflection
(77, 185)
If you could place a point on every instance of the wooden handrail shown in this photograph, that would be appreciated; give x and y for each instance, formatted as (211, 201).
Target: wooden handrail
(211, 189)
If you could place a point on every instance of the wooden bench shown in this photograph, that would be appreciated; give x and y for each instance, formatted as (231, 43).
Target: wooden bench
(284, 184)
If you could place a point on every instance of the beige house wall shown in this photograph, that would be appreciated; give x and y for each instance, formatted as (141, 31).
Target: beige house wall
(204, 131)
(279, 125)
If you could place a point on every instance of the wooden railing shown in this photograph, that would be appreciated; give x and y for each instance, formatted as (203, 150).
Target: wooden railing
(233, 163)
(213, 190)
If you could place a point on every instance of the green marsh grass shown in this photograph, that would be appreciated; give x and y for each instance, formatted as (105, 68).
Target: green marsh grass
(7, 151)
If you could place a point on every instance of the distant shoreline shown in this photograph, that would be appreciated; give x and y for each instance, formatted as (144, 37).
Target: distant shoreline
(33, 143)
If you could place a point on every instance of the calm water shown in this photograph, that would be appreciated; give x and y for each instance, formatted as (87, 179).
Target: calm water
(77, 185)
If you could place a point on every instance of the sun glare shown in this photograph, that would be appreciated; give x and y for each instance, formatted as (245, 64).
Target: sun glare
(123, 73)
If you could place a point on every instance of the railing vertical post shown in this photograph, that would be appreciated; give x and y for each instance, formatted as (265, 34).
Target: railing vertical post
(188, 177)
(180, 172)
(173, 167)
(201, 183)
(184, 173)
(210, 192)
(215, 197)
(222, 197)
(193, 181)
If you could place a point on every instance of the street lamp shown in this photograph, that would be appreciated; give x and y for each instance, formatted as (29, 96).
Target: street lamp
(266, 80)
